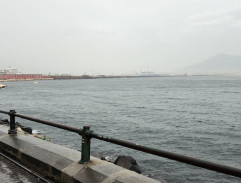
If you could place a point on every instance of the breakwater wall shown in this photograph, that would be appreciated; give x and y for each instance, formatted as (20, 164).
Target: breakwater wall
(61, 164)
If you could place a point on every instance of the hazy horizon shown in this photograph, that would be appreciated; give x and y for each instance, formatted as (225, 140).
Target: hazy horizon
(116, 37)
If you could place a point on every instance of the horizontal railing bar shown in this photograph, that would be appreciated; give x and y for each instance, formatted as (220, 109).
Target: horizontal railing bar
(4, 112)
(45, 122)
(68, 128)
(174, 156)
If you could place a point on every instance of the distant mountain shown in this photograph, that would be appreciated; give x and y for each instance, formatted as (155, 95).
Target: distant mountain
(221, 64)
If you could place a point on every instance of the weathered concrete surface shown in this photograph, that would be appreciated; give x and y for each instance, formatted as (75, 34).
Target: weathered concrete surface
(11, 173)
(60, 163)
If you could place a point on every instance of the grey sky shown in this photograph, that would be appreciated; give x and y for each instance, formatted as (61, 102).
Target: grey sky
(115, 37)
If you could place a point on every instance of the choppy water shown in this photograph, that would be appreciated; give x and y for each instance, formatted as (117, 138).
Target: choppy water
(196, 116)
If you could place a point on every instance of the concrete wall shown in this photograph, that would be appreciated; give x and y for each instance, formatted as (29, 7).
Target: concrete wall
(60, 163)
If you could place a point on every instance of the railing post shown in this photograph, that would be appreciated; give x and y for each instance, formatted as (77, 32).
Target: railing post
(85, 148)
(12, 129)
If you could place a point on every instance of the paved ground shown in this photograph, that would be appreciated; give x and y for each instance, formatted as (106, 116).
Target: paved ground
(9, 172)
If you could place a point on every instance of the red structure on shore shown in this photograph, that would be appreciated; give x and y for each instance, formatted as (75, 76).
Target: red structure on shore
(21, 76)
(15, 74)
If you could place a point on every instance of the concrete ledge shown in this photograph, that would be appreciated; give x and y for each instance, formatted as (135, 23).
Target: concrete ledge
(60, 163)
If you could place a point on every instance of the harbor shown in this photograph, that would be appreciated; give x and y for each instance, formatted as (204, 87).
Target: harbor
(11, 75)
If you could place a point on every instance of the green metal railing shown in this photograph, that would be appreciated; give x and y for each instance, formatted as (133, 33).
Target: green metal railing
(87, 134)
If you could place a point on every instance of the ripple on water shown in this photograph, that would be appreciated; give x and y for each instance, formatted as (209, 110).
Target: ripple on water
(196, 116)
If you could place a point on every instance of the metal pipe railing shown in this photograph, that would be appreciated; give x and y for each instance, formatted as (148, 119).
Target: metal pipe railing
(174, 156)
(87, 134)
(4, 112)
(45, 122)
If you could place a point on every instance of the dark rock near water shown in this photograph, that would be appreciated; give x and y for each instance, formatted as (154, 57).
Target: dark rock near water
(128, 162)
(4, 121)
(17, 124)
(27, 129)
(24, 128)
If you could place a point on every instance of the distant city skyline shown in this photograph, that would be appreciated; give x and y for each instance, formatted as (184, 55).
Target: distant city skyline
(116, 37)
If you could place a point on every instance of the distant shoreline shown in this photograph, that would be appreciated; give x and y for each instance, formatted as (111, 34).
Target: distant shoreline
(13, 80)
(107, 77)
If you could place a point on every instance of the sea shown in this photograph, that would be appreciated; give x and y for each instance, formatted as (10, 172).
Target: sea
(197, 116)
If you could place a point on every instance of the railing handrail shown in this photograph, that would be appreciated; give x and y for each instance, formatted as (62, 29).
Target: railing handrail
(87, 134)
(50, 123)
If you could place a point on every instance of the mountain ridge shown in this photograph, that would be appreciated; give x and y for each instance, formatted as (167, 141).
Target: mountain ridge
(219, 64)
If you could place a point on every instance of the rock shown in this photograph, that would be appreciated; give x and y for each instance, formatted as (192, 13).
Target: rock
(17, 124)
(128, 162)
(4, 121)
(24, 128)
(27, 129)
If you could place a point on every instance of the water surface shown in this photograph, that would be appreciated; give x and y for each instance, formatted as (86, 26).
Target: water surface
(195, 116)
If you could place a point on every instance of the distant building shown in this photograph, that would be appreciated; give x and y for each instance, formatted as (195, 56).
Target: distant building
(147, 74)
(21, 76)
(15, 74)
(10, 71)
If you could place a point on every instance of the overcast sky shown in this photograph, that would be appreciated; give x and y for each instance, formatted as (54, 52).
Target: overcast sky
(115, 37)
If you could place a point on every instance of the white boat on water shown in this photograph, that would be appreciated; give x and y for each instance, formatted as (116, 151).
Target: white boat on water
(2, 86)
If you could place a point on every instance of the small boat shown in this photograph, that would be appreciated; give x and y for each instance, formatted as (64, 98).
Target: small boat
(2, 86)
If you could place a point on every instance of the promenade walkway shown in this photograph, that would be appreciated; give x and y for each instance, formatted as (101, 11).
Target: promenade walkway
(9, 172)
(56, 162)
